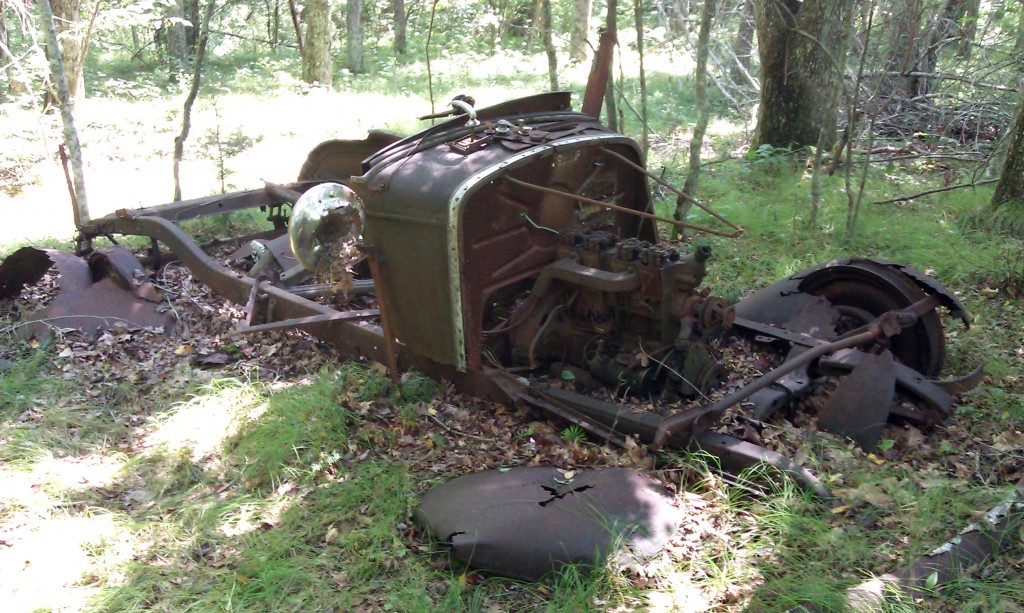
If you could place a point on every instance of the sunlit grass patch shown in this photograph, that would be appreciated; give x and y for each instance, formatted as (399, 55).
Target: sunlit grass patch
(805, 552)
(55, 562)
(199, 426)
(298, 427)
(332, 545)
(44, 416)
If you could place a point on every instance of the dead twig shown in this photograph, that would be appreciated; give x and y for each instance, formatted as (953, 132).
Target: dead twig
(935, 191)
(451, 430)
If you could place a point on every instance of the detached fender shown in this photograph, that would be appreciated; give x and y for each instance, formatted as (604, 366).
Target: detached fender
(338, 160)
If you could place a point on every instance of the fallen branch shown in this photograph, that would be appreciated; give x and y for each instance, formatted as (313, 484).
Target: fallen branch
(451, 430)
(935, 191)
(923, 156)
(253, 40)
(947, 77)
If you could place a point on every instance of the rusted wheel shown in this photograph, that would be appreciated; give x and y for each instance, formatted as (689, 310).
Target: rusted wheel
(863, 290)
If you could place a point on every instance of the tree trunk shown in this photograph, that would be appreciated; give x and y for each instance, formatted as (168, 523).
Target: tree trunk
(504, 19)
(8, 87)
(273, 23)
(1018, 43)
(549, 45)
(580, 30)
(64, 100)
(968, 28)
(354, 23)
(1010, 188)
(638, 20)
(316, 48)
(536, 21)
(743, 44)
(193, 92)
(826, 133)
(611, 24)
(700, 94)
(192, 16)
(177, 45)
(914, 42)
(798, 44)
(294, 10)
(400, 41)
(67, 15)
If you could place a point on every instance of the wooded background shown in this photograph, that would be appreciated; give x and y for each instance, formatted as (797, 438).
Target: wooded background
(833, 79)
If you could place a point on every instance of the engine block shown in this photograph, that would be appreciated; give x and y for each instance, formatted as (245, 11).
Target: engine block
(626, 312)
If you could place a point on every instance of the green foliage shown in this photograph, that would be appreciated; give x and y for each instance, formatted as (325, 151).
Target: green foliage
(574, 434)
(416, 387)
(767, 155)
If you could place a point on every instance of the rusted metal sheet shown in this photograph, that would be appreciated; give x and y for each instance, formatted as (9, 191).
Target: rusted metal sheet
(859, 406)
(528, 522)
(816, 319)
(119, 264)
(279, 247)
(861, 289)
(924, 391)
(337, 160)
(28, 265)
(111, 288)
(102, 305)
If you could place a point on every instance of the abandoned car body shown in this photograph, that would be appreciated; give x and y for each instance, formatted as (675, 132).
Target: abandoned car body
(515, 241)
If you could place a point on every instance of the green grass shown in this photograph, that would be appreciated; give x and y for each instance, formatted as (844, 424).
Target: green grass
(805, 554)
(301, 429)
(20, 383)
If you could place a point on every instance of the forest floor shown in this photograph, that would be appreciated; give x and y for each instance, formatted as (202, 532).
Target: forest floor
(207, 471)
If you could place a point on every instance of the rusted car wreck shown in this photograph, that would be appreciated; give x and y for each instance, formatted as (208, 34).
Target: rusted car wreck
(513, 251)
(517, 240)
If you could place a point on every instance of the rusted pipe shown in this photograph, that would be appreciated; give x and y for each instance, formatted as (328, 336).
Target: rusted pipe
(615, 207)
(282, 192)
(390, 348)
(585, 276)
(675, 190)
(593, 97)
